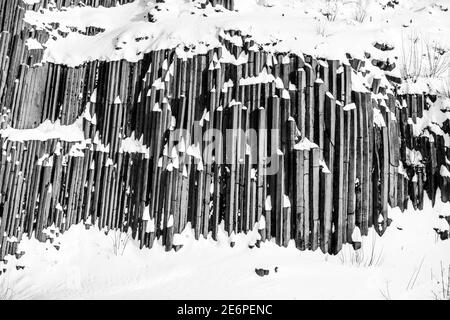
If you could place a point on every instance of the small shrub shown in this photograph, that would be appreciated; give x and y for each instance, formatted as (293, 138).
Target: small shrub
(437, 58)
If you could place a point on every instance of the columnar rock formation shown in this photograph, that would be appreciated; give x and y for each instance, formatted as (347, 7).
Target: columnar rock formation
(313, 156)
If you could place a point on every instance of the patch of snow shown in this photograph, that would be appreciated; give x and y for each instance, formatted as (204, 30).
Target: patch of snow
(47, 130)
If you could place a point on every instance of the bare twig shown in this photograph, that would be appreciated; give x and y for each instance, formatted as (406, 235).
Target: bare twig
(386, 293)
(443, 293)
(414, 275)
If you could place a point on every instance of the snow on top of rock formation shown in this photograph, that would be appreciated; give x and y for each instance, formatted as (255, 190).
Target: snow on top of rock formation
(47, 130)
(277, 25)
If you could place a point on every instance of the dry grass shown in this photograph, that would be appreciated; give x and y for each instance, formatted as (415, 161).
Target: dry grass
(6, 292)
(412, 53)
(445, 92)
(423, 58)
(361, 10)
(331, 9)
(370, 255)
(437, 59)
(321, 29)
(120, 241)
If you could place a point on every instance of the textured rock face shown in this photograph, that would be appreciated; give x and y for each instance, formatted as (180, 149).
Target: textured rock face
(301, 148)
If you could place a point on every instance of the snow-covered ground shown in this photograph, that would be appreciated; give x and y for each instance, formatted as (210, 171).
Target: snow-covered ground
(407, 262)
